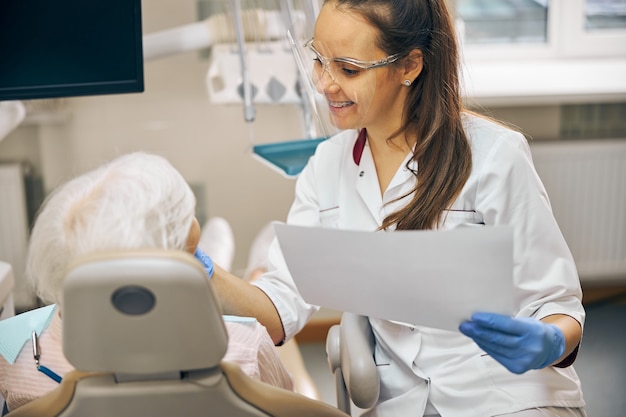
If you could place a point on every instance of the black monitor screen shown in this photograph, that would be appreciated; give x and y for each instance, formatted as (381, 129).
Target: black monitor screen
(61, 48)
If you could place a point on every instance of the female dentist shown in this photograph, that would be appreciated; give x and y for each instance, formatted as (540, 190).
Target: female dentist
(410, 157)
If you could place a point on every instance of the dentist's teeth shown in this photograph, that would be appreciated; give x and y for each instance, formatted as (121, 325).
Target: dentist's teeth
(339, 105)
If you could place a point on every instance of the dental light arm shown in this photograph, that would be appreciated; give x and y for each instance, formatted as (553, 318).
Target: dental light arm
(255, 24)
(258, 25)
(173, 41)
(249, 112)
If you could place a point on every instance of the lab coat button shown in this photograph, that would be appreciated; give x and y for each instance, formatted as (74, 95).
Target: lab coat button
(361, 173)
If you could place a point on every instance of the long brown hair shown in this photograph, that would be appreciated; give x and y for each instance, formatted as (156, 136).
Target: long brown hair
(433, 108)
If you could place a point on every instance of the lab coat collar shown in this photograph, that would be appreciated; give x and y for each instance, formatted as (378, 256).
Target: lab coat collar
(367, 184)
(359, 145)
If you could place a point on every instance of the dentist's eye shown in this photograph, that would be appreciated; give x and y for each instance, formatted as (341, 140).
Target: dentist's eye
(349, 70)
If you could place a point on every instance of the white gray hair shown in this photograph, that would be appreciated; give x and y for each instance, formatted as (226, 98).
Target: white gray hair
(138, 200)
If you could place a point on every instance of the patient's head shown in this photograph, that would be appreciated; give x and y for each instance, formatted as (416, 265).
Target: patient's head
(136, 201)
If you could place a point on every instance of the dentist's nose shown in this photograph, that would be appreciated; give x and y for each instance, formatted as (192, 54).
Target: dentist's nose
(326, 70)
(326, 81)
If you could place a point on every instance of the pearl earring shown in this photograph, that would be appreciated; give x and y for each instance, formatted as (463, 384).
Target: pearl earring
(407, 83)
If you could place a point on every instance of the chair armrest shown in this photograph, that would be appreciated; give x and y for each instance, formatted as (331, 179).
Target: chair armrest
(356, 344)
(333, 354)
(333, 351)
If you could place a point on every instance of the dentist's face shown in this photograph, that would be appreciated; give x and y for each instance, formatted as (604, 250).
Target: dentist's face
(357, 97)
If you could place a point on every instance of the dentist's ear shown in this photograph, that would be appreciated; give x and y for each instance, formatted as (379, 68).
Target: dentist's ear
(11, 115)
(413, 65)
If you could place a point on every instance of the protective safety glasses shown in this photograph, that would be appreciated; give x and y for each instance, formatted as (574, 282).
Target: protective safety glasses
(341, 100)
(341, 69)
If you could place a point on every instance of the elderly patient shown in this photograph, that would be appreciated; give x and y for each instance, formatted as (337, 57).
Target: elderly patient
(136, 201)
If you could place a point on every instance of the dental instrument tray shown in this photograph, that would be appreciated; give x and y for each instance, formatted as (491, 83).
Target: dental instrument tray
(288, 158)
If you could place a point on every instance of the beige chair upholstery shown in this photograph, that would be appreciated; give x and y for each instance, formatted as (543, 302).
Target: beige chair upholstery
(7, 308)
(145, 332)
(7, 283)
(350, 352)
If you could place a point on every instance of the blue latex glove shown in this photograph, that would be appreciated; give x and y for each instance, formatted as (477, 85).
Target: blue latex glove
(520, 344)
(205, 260)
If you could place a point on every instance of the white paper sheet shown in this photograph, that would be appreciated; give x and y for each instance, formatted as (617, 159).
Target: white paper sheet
(427, 278)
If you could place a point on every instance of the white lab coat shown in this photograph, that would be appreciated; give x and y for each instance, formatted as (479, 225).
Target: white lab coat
(441, 367)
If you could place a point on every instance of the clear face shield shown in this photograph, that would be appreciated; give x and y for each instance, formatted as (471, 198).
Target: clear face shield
(339, 90)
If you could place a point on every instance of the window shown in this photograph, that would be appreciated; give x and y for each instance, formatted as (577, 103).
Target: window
(542, 28)
(503, 21)
(529, 52)
(605, 14)
(593, 28)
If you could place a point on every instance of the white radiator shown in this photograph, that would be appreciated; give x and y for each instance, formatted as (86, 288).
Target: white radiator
(14, 229)
(586, 183)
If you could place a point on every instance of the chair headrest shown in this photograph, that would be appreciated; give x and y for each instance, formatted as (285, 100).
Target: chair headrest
(149, 311)
(7, 282)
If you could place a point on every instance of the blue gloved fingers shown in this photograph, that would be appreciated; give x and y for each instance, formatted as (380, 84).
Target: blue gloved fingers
(519, 361)
(495, 340)
(516, 357)
(514, 332)
(517, 365)
(205, 260)
(519, 344)
(500, 322)
(520, 355)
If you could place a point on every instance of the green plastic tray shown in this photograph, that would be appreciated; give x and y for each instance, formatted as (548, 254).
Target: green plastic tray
(289, 157)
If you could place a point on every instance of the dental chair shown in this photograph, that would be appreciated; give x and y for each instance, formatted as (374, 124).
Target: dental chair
(350, 353)
(145, 333)
(7, 284)
(7, 308)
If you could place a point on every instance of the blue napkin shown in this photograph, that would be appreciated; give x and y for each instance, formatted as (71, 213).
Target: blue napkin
(17, 330)
(239, 319)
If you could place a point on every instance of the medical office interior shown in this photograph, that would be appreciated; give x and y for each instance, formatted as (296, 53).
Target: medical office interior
(554, 68)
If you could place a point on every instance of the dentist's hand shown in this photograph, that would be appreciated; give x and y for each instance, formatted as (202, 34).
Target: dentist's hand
(520, 344)
(205, 260)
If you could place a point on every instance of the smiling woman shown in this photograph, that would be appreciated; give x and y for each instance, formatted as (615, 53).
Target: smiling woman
(407, 154)
(348, 71)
